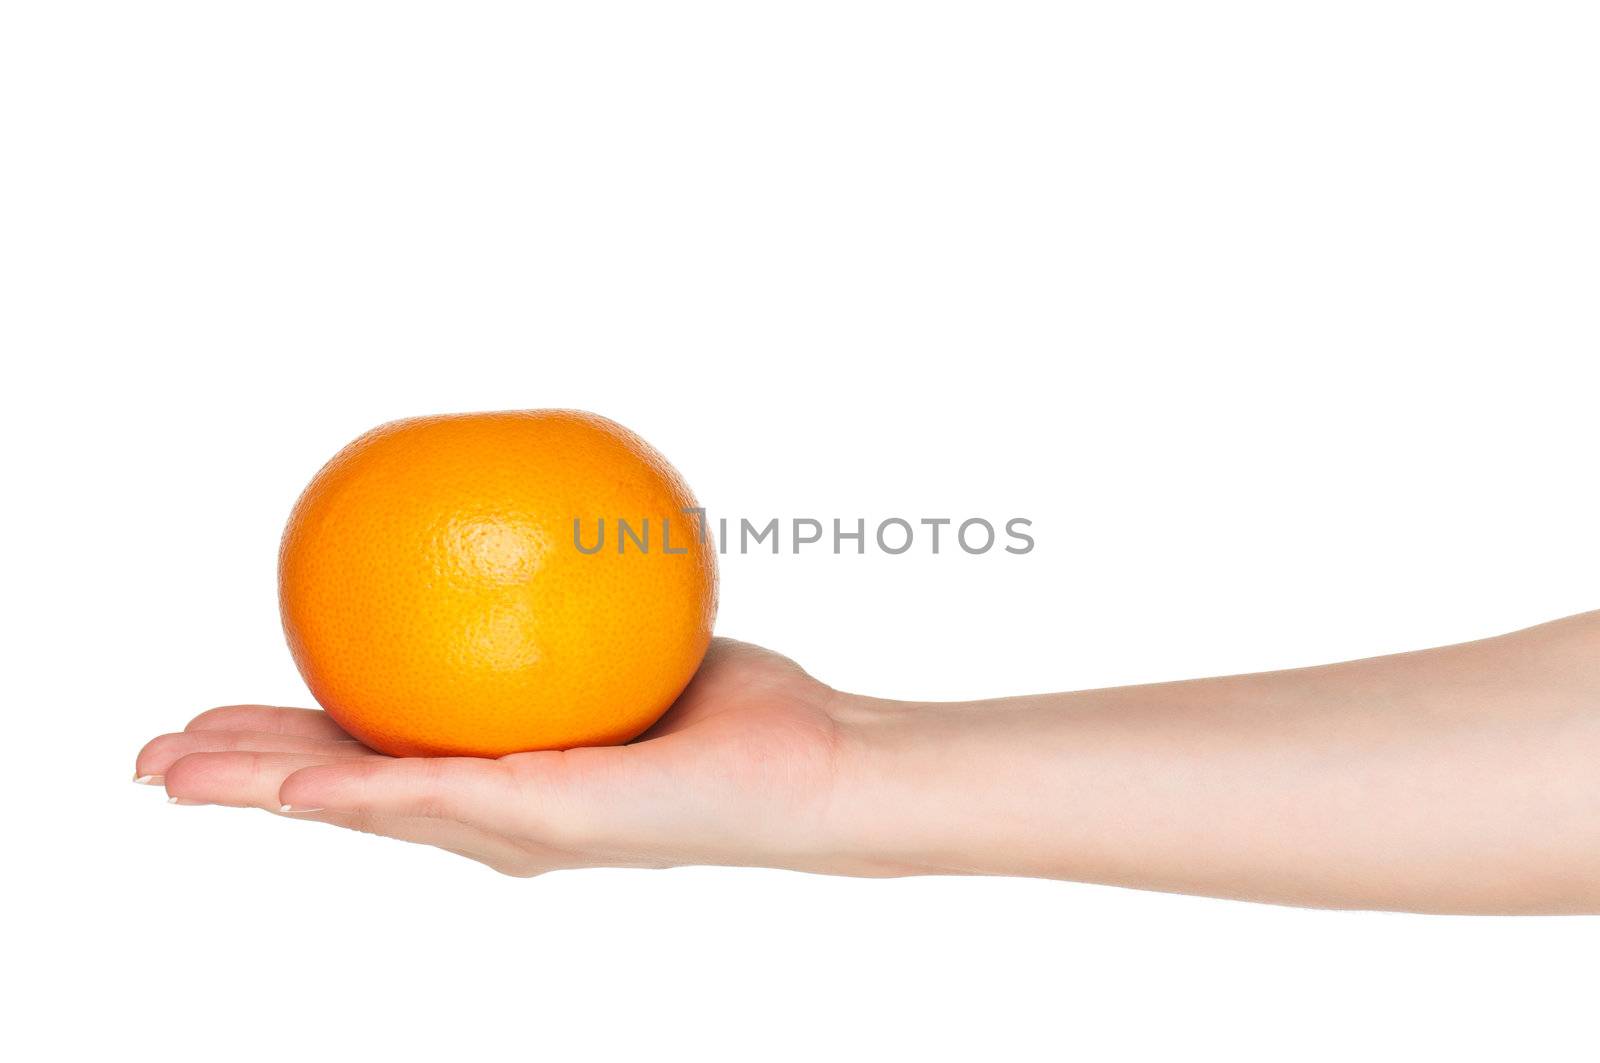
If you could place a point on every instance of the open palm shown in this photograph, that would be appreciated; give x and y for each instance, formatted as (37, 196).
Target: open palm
(743, 764)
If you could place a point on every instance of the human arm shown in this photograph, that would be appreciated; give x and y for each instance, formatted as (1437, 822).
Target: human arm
(1458, 779)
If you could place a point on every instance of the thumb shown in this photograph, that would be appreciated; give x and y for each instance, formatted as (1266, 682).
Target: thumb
(489, 794)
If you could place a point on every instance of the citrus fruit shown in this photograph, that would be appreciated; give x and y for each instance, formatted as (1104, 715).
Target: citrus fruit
(443, 593)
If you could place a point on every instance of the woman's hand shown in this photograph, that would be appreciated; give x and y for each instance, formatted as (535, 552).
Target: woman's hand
(740, 770)
(1456, 779)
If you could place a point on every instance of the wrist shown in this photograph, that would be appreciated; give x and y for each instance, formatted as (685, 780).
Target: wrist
(896, 786)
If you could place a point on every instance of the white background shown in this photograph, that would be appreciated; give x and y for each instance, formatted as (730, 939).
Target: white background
(1278, 320)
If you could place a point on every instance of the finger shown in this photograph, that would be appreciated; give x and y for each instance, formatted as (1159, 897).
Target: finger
(483, 793)
(246, 779)
(240, 778)
(312, 723)
(160, 753)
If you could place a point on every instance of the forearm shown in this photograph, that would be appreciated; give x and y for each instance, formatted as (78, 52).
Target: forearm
(1465, 778)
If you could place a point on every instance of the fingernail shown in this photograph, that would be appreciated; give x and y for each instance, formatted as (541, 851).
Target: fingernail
(291, 809)
(184, 801)
(149, 780)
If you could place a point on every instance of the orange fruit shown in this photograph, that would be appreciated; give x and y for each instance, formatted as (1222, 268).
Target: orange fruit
(437, 601)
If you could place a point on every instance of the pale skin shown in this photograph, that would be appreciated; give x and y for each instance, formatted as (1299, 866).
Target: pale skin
(1459, 779)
